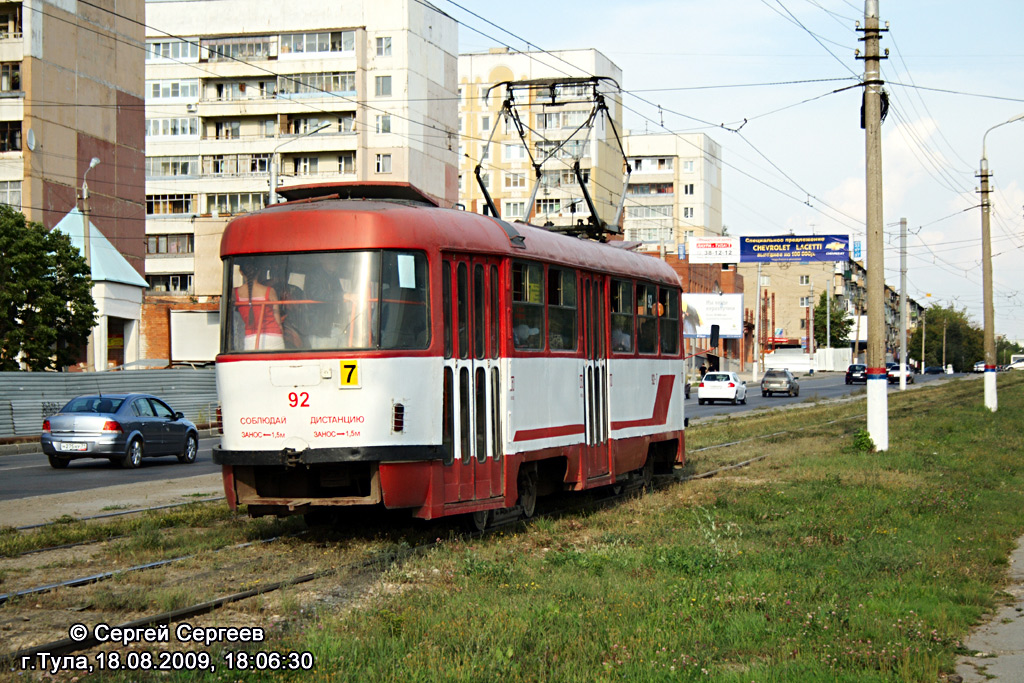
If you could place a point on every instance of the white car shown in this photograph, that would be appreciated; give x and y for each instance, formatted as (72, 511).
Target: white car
(721, 386)
(1016, 365)
(894, 375)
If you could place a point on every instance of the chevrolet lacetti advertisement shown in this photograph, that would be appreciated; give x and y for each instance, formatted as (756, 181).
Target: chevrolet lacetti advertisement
(778, 249)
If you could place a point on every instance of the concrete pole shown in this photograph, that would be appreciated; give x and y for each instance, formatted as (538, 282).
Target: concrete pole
(924, 330)
(903, 305)
(828, 315)
(90, 342)
(878, 408)
(757, 328)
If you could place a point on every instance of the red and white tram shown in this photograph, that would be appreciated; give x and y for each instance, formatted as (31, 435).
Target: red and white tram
(378, 349)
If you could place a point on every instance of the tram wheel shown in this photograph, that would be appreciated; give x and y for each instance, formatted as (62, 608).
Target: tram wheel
(527, 484)
(479, 520)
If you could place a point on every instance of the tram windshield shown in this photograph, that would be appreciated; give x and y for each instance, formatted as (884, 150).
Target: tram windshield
(326, 301)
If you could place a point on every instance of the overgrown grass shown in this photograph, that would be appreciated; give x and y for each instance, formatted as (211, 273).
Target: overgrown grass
(822, 562)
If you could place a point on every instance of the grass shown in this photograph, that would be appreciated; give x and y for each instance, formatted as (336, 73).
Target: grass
(825, 561)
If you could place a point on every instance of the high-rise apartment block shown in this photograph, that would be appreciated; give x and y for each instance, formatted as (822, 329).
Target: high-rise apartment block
(554, 120)
(327, 92)
(675, 189)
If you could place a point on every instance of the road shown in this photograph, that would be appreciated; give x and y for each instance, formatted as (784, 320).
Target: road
(29, 474)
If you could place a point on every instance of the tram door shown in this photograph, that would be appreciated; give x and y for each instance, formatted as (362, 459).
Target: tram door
(595, 374)
(472, 384)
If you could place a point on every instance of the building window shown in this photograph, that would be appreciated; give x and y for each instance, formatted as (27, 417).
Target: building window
(383, 163)
(163, 167)
(170, 244)
(10, 76)
(650, 188)
(10, 136)
(382, 86)
(485, 122)
(546, 206)
(245, 48)
(347, 122)
(334, 41)
(513, 209)
(805, 279)
(177, 50)
(384, 123)
(168, 204)
(170, 284)
(172, 127)
(227, 130)
(304, 126)
(514, 152)
(803, 323)
(235, 202)
(10, 193)
(688, 166)
(515, 181)
(316, 83)
(347, 162)
(649, 211)
(268, 127)
(187, 88)
(549, 120)
(805, 301)
(687, 212)
(305, 165)
(688, 188)
(384, 46)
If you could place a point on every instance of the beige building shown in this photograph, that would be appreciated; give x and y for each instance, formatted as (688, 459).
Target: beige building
(551, 118)
(675, 189)
(71, 89)
(354, 91)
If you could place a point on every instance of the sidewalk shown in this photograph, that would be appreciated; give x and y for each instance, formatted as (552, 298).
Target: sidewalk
(998, 645)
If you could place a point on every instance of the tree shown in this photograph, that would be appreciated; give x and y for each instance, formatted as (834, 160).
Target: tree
(46, 304)
(964, 340)
(841, 324)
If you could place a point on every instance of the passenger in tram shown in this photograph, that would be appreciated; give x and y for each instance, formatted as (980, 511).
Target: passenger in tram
(261, 316)
(324, 285)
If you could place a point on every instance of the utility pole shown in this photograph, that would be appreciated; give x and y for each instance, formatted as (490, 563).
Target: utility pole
(924, 329)
(878, 408)
(828, 316)
(904, 368)
(757, 327)
(944, 324)
(991, 400)
(810, 327)
(90, 344)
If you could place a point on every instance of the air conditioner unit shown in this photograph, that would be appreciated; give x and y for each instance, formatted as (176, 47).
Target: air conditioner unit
(192, 108)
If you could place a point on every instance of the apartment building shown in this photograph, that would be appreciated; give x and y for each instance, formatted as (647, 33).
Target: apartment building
(236, 89)
(552, 119)
(675, 190)
(71, 90)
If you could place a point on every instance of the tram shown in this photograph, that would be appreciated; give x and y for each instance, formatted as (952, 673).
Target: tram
(378, 350)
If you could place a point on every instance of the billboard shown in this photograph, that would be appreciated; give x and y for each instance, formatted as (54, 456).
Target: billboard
(701, 311)
(783, 249)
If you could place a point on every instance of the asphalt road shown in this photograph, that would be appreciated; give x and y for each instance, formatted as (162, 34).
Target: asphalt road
(29, 474)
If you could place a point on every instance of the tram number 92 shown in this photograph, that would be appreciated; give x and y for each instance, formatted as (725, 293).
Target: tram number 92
(298, 399)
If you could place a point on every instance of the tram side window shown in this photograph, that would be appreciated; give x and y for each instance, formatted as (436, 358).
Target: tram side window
(669, 320)
(622, 316)
(561, 309)
(528, 306)
(403, 295)
(646, 319)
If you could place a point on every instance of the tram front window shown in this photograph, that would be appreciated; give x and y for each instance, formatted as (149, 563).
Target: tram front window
(326, 301)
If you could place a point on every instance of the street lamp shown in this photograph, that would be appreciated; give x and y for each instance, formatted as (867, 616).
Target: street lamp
(991, 401)
(90, 344)
(273, 159)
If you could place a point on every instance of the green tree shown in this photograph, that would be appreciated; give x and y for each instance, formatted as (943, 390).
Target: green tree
(839, 331)
(46, 304)
(964, 340)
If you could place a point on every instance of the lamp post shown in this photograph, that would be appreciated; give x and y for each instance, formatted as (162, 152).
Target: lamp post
(991, 400)
(273, 160)
(90, 344)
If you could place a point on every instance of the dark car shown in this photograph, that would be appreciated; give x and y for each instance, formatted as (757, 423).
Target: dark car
(934, 370)
(779, 382)
(123, 428)
(857, 373)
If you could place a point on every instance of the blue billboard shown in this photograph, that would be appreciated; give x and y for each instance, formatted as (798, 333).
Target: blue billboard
(794, 248)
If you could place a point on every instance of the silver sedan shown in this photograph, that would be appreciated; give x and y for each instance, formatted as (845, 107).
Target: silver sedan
(123, 428)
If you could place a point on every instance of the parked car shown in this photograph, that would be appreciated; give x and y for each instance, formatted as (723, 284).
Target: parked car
(1016, 365)
(123, 428)
(893, 375)
(857, 373)
(779, 382)
(934, 370)
(979, 366)
(721, 386)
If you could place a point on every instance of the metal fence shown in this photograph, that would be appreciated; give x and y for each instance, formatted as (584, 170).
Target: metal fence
(26, 398)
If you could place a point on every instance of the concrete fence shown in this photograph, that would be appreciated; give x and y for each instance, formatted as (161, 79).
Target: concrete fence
(27, 398)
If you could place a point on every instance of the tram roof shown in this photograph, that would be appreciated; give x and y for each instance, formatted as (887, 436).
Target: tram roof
(405, 222)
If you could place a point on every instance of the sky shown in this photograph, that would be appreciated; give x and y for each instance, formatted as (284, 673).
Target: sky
(770, 81)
